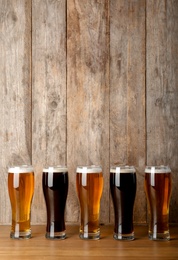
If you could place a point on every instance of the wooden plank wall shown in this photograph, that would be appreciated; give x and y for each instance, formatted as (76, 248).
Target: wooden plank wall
(88, 93)
(88, 82)
(15, 92)
(162, 89)
(127, 91)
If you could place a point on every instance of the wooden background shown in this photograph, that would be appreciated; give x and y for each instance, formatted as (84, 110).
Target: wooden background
(88, 82)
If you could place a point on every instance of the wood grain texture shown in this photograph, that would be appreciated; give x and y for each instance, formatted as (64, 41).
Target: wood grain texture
(87, 93)
(49, 93)
(74, 248)
(162, 90)
(127, 92)
(88, 82)
(15, 98)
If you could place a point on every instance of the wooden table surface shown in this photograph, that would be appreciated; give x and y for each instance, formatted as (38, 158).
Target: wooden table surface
(38, 247)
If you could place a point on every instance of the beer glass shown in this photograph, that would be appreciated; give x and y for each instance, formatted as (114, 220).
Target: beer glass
(89, 182)
(158, 192)
(21, 189)
(123, 191)
(55, 190)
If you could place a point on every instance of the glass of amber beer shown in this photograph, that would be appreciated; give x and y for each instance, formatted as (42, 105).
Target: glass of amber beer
(158, 192)
(89, 182)
(123, 191)
(21, 189)
(55, 190)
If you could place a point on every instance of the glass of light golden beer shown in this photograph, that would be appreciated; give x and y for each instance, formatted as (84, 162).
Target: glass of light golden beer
(55, 189)
(21, 189)
(89, 182)
(123, 190)
(158, 192)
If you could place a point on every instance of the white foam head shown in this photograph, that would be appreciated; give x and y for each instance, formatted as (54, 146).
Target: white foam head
(20, 169)
(56, 168)
(157, 169)
(122, 169)
(89, 169)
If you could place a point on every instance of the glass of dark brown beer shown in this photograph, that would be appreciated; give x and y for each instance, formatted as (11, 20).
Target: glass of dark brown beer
(21, 189)
(123, 191)
(55, 190)
(158, 192)
(89, 182)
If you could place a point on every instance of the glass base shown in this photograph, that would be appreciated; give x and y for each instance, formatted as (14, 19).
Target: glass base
(91, 236)
(20, 235)
(56, 235)
(119, 236)
(159, 236)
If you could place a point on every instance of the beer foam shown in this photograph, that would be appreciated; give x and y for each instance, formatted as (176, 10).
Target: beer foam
(21, 169)
(123, 169)
(57, 168)
(89, 169)
(158, 169)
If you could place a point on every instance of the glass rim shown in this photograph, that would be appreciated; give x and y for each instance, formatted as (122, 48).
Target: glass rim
(20, 169)
(158, 169)
(89, 169)
(122, 169)
(56, 168)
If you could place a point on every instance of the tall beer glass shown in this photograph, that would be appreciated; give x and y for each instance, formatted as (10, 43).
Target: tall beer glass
(89, 181)
(21, 189)
(55, 190)
(158, 192)
(123, 191)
